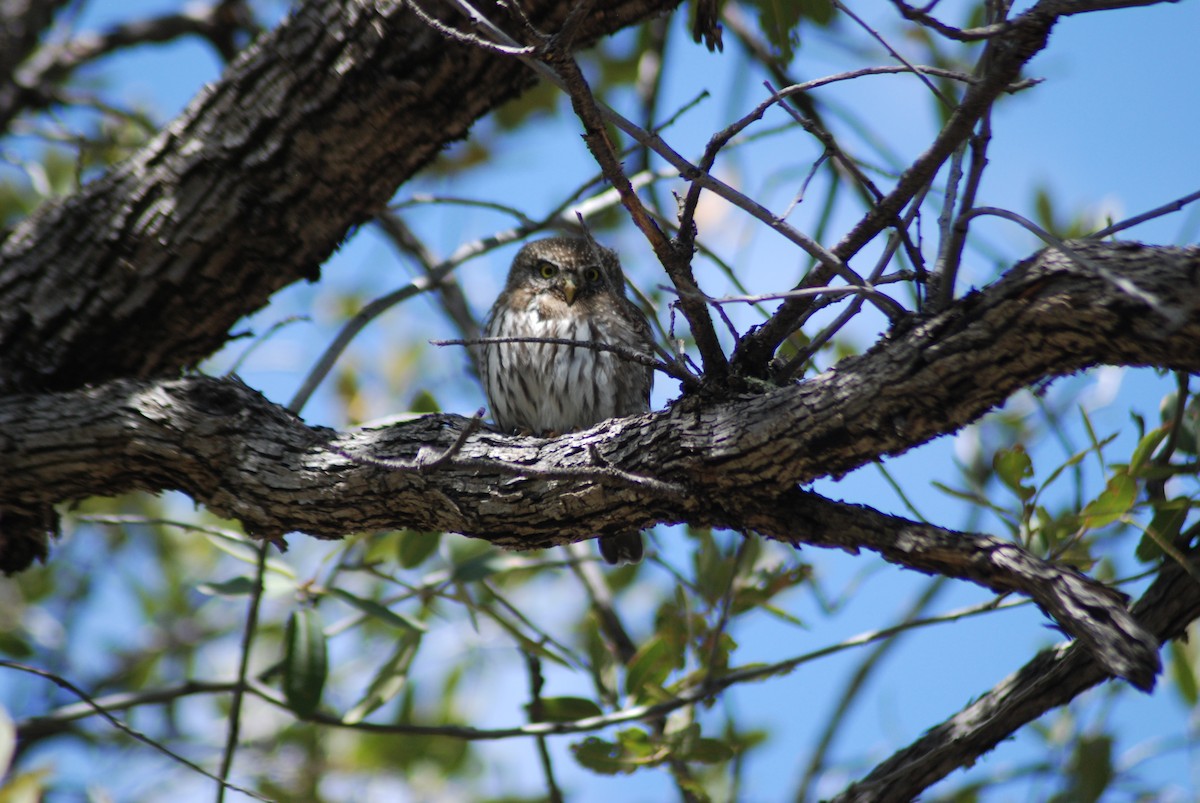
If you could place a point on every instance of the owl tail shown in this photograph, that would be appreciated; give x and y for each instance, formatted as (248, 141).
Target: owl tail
(623, 548)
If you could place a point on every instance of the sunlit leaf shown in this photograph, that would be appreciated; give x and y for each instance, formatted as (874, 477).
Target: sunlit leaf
(567, 709)
(650, 666)
(1115, 501)
(1013, 466)
(247, 552)
(1169, 517)
(1145, 450)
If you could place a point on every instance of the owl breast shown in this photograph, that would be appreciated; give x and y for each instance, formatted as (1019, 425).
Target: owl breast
(546, 387)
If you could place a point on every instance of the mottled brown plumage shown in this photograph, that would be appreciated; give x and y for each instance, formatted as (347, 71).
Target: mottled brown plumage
(567, 288)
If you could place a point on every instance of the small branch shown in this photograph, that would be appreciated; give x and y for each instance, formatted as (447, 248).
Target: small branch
(59, 719)
(1006, 56)
(957, 34)
(239, 689)
(674, 256)
(448, 292)
(1159, 211)
(937, 93)
(537, 714)
(686, 697)
(1174, 316)
(33, 83)
(955, 238)
(63, 683)
(1054, 677)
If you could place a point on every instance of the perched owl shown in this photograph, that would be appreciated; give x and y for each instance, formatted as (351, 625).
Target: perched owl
(567, 288)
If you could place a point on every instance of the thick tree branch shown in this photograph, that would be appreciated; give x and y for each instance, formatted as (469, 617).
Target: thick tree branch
(252, 461)
(732, 463)
(307, 135)
(1054, 677)
(1092, 613)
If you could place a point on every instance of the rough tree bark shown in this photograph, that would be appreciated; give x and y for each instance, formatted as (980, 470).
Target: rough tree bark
(307, 135)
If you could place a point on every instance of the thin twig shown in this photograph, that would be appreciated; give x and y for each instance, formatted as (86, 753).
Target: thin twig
(239, 690)
(958, 34)
(95, 705)
(937, 93)
(1158, 211)
(1175, 317)
(537, 713)
(687, 696)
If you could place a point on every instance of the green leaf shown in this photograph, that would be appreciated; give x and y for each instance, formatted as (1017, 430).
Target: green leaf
(233, 587)
(566, 709)
(378, 612)
(709, 751)
(779, 21)
(424, 402)
(478, 567)
(649, 667)
(1091, 769)
(1116, 500)
(14, 646)
(600, 756)
(1145, 450)
(247, 552)
(1012, 466)
(413, 548)
(1183, 673)
(1189, 424)
(389, 680)
(304, 662)
(1167, 523)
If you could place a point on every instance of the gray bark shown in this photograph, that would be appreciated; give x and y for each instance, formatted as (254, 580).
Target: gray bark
(144, 271)
(732, 463)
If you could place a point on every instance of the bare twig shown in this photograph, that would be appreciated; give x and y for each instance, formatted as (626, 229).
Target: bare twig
(937, 93)
(239, 690)
(957, 34)
(537, 713)
(1158, 211)
(96, 706)
(1174, 316)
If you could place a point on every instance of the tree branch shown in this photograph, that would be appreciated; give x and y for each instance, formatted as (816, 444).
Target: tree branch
(1053, 678)
(89, 293)
(733, 463)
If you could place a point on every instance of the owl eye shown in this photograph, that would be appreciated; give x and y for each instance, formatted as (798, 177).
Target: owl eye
(547, 270)
(592, 275)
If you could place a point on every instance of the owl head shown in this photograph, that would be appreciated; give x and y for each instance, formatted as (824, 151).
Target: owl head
(566, 268)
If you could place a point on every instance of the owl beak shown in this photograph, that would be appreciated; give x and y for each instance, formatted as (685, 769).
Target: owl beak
(568, 287)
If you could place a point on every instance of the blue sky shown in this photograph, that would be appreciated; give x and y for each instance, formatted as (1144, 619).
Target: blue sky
(1112, 128)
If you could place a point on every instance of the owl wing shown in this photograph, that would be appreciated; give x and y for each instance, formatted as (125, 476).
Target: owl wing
(636, 398)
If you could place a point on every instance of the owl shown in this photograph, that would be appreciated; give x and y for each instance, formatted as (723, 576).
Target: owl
(573, 289)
